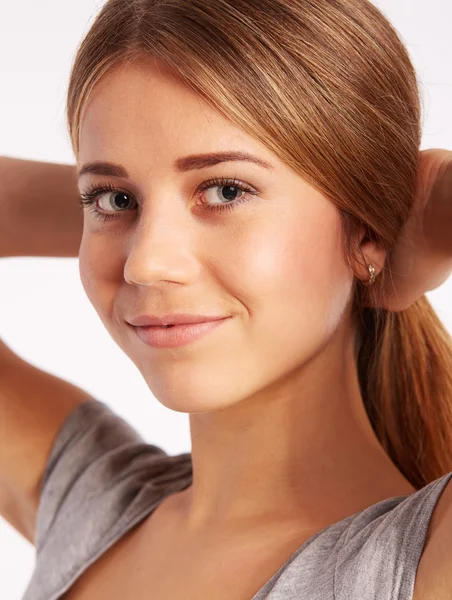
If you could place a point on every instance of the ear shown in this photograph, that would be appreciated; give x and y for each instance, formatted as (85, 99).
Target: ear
(367, 252)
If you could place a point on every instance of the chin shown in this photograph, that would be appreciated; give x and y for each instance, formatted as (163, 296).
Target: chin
(195, 394)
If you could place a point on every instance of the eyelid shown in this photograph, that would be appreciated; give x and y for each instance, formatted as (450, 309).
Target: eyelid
(106, 186)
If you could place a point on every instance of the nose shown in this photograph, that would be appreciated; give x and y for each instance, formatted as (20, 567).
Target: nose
(159, 249)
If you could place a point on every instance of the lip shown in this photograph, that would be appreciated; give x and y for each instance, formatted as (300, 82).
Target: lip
(172, 319)
(178, 335)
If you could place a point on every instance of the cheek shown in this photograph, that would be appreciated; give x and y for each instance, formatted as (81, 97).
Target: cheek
(294, 275)
(98, 270)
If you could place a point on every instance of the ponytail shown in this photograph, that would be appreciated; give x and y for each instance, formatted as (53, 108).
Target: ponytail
(405, 373)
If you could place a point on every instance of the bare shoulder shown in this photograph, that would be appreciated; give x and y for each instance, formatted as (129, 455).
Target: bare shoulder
(434, 574)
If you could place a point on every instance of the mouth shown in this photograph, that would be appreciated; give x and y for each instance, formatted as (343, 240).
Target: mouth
(172, 336)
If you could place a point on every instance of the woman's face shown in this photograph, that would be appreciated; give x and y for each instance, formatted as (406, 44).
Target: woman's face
(273, 263)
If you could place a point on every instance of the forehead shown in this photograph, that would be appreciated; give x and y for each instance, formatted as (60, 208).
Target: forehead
(141, 107)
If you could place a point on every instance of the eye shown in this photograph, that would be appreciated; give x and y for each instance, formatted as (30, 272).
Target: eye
(225, 194)
(114, 200)
(107, 197)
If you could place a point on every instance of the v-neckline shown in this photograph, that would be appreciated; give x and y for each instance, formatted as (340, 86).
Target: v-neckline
(269, 583)
(292, 557)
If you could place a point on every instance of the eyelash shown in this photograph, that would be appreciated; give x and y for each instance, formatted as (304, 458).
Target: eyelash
(92, 193)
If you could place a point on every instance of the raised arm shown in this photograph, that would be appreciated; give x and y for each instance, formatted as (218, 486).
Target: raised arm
(40, 214)
(422, 259)
(40, 217)
(33, 406)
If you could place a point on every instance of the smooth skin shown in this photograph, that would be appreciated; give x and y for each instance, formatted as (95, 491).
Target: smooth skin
(280, 439)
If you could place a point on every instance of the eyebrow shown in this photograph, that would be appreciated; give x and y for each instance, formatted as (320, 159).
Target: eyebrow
(187, 163)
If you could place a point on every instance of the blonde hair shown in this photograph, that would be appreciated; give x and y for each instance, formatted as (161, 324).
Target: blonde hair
(328, 86)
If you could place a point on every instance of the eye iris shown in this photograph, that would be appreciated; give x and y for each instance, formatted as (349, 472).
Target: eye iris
(121, 200)
(230, 190)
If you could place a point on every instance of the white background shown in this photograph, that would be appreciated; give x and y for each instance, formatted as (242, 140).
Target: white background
(45, 315)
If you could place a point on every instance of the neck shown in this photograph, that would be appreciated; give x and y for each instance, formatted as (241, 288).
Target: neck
(303, 449)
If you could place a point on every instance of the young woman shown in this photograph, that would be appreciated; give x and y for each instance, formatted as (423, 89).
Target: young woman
(255, 166)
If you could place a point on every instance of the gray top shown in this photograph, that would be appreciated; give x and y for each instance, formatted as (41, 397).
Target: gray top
(102, 478)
